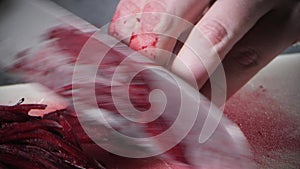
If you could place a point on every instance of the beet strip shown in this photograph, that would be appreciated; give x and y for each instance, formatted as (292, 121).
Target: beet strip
(47, 136)
(25, 108)
(55, 160)
(10, 161)
(14, 156)
(54, 150)
(9, 117)
(66, 130)
(28, 126)
(41, 156)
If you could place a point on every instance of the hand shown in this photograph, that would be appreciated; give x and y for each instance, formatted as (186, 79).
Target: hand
(247, 34)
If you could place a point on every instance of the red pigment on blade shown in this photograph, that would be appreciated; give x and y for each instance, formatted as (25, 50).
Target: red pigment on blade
(59, 78)
(69, 40)
(160, 125)
(67, 43)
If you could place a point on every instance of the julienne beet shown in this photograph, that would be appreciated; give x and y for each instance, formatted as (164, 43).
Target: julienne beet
(48, 142)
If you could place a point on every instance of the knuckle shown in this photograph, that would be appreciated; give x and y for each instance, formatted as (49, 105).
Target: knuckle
(247, 57)
(214, 31)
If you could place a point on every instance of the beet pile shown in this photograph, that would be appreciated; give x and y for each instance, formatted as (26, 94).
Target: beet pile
(47, 142)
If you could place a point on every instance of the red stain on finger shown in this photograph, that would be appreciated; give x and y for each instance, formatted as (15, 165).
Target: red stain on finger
(143, 41)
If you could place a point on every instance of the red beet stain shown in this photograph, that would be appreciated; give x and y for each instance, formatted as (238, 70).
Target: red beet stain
(143, 41)
(265, 124)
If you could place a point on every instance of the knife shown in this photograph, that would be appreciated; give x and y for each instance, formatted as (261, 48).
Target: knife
(210, 139)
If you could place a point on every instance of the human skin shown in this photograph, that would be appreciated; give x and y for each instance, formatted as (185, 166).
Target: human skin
(246, 35)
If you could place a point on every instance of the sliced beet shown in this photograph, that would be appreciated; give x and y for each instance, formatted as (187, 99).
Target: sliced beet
(25, 108)
(67, 130)
(15, 128)
(14, 156)
(11, 162)
(34, 142)
(9, 117)
(45, 136)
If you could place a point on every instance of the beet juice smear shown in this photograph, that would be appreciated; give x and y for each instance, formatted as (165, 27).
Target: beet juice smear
(272, 132)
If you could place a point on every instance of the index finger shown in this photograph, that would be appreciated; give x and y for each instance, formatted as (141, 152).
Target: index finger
(215, 34)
